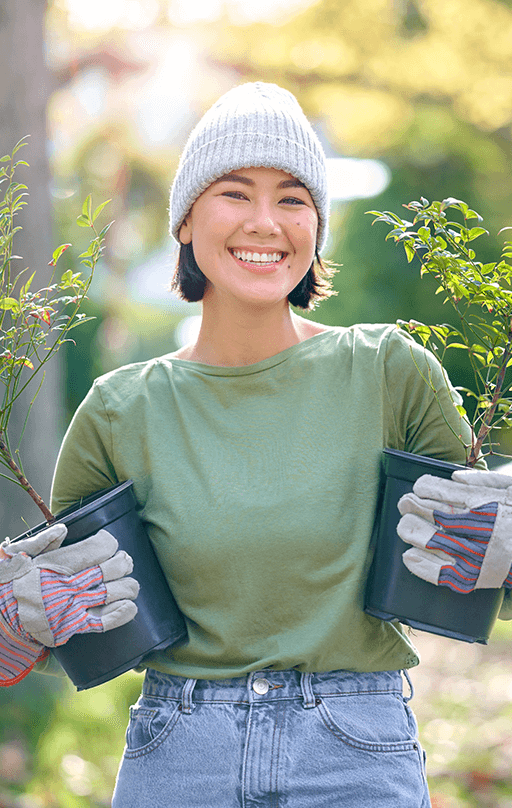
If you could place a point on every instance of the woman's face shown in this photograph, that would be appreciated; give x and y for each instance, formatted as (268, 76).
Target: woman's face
(253, 232)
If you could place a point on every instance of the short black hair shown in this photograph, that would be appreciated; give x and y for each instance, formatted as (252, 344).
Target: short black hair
(189, 282)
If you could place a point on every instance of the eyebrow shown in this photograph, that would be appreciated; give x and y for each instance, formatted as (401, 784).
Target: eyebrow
(292, 183)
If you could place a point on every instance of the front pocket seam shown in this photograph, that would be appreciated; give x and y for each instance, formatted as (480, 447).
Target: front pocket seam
(367, 746)
(148, 711)
(156, 742)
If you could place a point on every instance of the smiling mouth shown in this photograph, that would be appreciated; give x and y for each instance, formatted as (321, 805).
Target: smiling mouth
(258, 259)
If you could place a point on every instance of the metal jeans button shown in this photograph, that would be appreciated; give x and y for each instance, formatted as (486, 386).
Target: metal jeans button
(261, 686)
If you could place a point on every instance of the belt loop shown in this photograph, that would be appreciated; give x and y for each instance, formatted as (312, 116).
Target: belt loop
(186, 696)
(307, 690)
(411, 688)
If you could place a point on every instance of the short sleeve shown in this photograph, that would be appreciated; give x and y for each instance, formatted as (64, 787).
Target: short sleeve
(85, 462)
(423, 402)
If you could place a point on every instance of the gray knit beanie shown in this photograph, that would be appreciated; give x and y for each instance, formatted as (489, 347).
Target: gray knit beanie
(252, 125)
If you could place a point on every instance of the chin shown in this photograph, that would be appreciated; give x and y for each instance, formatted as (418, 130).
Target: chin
(266, 300)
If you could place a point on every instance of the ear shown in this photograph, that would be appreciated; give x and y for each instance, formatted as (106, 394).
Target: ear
(185, 231)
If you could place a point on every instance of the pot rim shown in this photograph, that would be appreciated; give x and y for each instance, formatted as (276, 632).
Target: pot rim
(82, 508)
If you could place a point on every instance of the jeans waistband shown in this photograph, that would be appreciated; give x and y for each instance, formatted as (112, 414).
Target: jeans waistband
(270, 685)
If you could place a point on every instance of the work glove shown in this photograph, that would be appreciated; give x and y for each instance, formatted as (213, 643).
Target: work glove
(48, 593)
(460, 529)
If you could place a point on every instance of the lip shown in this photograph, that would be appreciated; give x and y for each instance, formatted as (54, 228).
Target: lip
(257, 270)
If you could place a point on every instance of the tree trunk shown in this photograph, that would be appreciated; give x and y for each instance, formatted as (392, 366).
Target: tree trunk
(25, 85)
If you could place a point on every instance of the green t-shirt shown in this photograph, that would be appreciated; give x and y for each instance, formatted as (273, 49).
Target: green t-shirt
(257, 485)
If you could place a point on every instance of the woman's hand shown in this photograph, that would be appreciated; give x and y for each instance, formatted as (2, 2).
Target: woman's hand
(460, 529)
(49, 593)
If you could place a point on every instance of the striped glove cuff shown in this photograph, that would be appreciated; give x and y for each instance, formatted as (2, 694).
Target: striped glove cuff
(66, 600)
(17, 655)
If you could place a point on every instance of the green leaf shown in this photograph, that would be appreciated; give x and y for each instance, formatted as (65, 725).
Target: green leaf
(486, 269)
(58, 252)
(419, 330)
(91, 249)
(99, 209)
(83, 221)
(467, 391)
(451, 202)
(475, 232)
(105, 230)
(10, 304)
(19, 145)
(396, 233)
(26, 287)
(490, 329)
(83, 319)
(409, 251)
(87, 207)
(443, 330)
(69, 279)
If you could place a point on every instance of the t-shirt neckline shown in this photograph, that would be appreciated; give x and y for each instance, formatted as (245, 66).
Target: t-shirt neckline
(256, 367)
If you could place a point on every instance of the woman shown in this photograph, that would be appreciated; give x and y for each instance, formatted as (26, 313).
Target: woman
(255, 456)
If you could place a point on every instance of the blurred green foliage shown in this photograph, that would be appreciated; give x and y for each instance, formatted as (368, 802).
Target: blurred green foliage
(463, 706)
(424, 86)
(60, 748)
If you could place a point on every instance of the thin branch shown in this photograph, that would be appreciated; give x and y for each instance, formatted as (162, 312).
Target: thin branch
(24, 482)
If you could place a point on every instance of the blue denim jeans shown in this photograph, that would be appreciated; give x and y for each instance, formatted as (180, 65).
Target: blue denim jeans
(272, 739)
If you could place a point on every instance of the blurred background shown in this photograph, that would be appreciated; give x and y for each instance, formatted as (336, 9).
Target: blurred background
(410, 98)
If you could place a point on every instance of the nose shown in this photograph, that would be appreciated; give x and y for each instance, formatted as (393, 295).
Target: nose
(262, 220)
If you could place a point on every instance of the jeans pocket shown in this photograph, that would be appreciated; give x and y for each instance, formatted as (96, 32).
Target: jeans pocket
(149, 726)
(377, 722)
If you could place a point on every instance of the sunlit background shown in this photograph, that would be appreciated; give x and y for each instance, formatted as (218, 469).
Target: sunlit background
(409, 98)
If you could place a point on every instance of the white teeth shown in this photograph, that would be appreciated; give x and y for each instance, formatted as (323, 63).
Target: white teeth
(258, 258)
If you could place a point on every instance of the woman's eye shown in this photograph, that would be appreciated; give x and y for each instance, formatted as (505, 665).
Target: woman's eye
(293, 200)
(234, 194)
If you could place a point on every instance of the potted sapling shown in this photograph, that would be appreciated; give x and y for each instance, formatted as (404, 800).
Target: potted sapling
(441, 239)
(34, 324)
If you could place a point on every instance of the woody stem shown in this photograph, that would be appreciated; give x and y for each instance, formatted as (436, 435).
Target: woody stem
(4, 451)
(489, 414)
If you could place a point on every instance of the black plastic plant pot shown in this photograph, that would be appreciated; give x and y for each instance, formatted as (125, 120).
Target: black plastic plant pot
(395, 594)
(92, 659)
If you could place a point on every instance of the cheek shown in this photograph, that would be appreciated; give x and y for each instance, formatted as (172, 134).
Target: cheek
(305, 232)
(308, 221)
